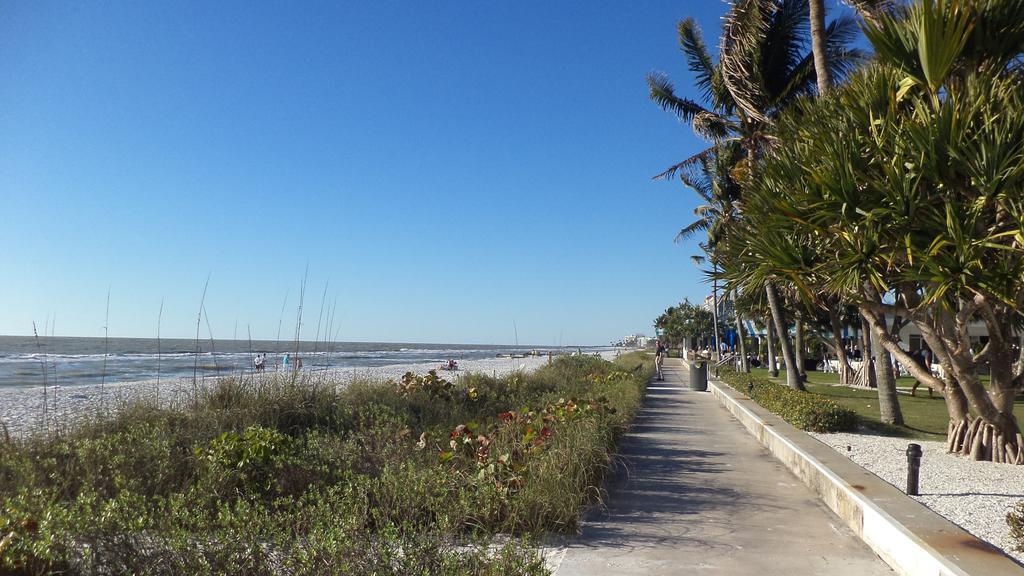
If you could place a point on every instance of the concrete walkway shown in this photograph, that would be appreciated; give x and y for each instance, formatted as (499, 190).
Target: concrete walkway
(698, 494)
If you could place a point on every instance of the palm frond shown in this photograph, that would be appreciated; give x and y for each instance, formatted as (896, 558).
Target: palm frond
(706, 211)
(999, 33)
(869, 10)
(699, 180)
(743, 28)
(785, 40)
(663, 93)
(925, 39)
(699, 225)
(713, 126)
(691, 42)
(675, 169)
(842, 60)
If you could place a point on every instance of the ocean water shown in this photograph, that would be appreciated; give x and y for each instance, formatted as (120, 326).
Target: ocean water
(71, 361)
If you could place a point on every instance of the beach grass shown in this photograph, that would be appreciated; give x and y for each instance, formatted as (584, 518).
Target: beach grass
(305, 476)
(925, 418)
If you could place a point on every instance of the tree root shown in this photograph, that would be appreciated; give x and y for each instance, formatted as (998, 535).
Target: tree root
(981, 441)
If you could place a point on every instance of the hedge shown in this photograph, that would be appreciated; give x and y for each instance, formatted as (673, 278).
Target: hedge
(1015, 519)
(805, 410)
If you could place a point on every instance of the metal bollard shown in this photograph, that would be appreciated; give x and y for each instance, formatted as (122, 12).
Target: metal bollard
(913, 468)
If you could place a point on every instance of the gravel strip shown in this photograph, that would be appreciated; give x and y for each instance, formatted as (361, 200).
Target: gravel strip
(973, 495)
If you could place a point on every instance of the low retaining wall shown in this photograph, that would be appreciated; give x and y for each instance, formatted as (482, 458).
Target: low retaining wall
(907, 535)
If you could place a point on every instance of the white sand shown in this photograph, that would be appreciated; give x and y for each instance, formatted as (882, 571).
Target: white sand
(22, 409)
(974, 495)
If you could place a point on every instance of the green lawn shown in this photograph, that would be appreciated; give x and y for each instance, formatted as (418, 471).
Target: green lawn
(925, 418)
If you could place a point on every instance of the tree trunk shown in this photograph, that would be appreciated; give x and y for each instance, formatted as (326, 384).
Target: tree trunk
(845, 370)
(773, 365)
(782, 330)
(996, 437)
(992, 436)
(716, 353)
(1001, 389)
(867, 360)
(959, 419)
(818, 46)
(888, 401)
(744, 364)
(799, 350)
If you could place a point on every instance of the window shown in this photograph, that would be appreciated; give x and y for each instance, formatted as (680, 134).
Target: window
(915, 342)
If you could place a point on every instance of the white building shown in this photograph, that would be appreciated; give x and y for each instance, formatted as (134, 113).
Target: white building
(910, 336)
(724, 306)
(636, 341)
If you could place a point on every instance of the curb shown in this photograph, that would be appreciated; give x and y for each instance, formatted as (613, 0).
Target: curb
(912, 539)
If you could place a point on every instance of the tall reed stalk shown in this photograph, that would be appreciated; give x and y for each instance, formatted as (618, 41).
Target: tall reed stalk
(199, 320)
(331, 336)
(42, 361)
(320, 320)
(298, 315)
(159, 320)
(53, 369)
(54, 379)
(106, 352)
(252, 359)
(298, 323)
(280, 320)
(213, 347)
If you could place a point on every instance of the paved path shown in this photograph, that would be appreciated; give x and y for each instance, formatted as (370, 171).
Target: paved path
(698, 494)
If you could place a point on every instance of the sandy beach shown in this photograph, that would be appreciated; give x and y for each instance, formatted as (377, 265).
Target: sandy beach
(23, 410)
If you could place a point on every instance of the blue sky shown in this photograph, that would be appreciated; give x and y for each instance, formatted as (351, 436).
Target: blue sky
(449, 167)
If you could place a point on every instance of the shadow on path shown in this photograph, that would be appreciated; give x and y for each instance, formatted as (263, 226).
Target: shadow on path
(693, 490)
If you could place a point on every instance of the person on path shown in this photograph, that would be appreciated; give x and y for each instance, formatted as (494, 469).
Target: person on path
(659, 359)
(923, 358)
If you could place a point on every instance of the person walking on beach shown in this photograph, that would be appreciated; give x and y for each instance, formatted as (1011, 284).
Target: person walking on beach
(659, 359)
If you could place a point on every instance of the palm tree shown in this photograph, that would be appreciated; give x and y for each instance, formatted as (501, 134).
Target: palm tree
(871, 10)
(699, 260)
(712, 180)
(764, 67)
(903, 191)
(682, 323)
(878, 364)
(817, 14)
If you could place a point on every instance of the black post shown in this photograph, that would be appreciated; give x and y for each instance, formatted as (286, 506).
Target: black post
(913, 468)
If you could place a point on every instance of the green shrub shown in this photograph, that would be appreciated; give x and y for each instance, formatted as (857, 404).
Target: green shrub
(805, 410)
(1015, 519)
(248, 462)
(423, 476)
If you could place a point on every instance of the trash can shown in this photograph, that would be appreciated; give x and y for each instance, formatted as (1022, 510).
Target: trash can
(699, 375)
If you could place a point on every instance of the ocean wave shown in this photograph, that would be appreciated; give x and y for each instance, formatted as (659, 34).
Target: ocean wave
(22, 365)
